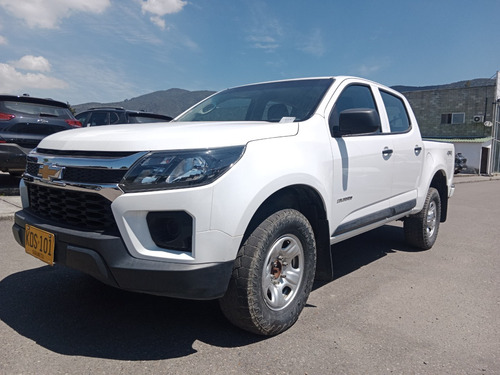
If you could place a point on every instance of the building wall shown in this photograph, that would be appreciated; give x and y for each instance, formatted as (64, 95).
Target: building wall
(430, 105)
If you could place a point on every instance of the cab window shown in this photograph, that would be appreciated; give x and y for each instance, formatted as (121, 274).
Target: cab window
(396, 111)
(353, 96)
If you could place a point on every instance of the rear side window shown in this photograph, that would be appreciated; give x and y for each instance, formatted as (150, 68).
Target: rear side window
(82, 117)
(396, 111)
(354, 96)
(99, 118)
(114, 118)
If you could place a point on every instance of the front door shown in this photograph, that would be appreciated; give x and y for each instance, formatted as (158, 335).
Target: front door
(362, 189)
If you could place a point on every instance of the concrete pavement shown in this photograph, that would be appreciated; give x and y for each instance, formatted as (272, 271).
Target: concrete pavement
(9, 204)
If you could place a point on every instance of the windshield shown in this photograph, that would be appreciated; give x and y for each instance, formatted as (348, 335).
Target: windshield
(285, 101)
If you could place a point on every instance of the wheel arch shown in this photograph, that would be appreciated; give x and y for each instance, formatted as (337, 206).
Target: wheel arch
(439, 183)
(307, 201)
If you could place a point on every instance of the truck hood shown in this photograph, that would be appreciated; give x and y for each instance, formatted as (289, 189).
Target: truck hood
(166, 136)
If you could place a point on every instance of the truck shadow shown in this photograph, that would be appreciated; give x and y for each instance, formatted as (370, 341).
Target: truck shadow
(72, 314)
(364, 249)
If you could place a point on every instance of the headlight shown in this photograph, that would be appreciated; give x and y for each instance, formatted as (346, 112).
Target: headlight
(179, 169)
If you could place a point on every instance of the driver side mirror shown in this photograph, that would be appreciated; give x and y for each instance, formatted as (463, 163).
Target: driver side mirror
(358, 121)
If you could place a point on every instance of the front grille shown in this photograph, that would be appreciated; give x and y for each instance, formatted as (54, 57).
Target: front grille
(84, 211)
(32, 168)
(84, 175)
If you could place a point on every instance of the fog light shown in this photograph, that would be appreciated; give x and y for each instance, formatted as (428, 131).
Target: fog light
(171, 230)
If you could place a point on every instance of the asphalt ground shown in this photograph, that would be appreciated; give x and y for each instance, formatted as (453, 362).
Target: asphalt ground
(390, 310)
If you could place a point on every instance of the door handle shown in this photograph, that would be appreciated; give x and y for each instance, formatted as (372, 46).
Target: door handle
(417, 150)
(387, 151)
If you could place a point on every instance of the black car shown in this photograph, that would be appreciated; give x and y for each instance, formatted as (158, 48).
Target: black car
(115, 116)
(24, 121)
(460, 162)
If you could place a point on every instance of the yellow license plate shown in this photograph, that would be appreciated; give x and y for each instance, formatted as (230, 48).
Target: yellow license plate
(40, 244)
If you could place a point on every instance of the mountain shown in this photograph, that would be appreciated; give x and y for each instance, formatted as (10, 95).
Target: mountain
(456, 85)
(174, 101)
(166, 102)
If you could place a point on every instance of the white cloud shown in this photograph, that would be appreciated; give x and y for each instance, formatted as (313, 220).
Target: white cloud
(367, 70)
(162, 7)
(158, 21)
(29, 62)
(264, 42)
(372, 66)
(313, 44)
(159, 8)
(48, 13)
(13, 81)
(265, 32)
(3, 40)
(97, 79)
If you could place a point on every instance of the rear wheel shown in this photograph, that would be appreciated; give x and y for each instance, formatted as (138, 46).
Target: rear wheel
(421, 229)
(272, 275)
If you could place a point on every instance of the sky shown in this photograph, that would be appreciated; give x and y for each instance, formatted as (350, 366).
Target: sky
(80, 51)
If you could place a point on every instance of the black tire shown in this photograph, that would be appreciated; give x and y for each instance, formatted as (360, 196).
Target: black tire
(421, 229)
(273, 275)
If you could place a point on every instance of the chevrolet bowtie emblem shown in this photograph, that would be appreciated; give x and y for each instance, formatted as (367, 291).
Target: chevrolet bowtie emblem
(48, 172)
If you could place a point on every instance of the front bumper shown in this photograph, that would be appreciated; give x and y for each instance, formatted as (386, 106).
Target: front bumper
(106, 258)
(451, 191)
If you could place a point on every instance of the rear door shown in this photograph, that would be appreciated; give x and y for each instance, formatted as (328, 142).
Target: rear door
(407, 155)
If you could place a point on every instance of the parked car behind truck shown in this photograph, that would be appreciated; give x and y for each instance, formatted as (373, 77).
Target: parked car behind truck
(117, 115)
(460, 162)
(24, 121)
(240, 198)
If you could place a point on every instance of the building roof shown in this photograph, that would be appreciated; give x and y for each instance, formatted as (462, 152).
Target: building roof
(459, 140)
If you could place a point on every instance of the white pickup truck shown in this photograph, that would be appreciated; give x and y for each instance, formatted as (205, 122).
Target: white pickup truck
(240, 197)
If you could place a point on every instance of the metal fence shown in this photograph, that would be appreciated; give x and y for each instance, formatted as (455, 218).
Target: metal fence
(495, 142)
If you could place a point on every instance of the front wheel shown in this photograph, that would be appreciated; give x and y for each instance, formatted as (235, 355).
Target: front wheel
(272, 275)
(421, 229)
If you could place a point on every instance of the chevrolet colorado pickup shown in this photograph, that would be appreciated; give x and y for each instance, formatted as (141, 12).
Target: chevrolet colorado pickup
(240, 198)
